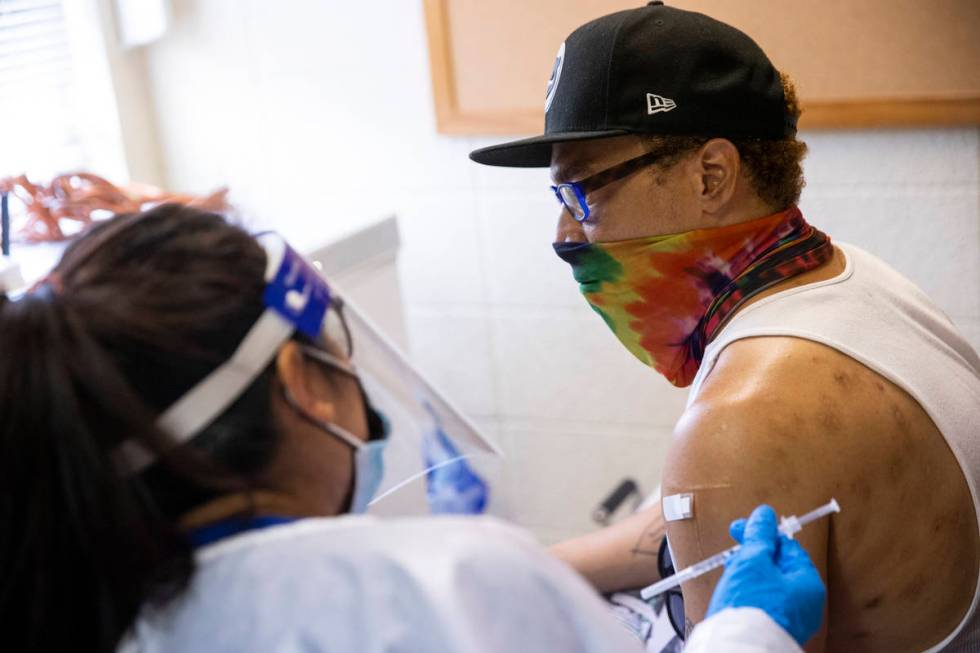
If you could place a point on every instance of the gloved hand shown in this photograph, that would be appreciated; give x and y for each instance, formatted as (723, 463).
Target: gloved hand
(773, 573)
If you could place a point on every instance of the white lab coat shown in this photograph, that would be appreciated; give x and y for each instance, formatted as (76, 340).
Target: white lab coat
(740, 630)
(357, 584)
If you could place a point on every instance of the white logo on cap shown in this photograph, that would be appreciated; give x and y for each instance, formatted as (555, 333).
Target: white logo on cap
(555, 76)
(659, 103)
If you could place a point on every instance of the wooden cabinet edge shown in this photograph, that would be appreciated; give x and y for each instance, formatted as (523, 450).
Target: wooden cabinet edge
(851, 114)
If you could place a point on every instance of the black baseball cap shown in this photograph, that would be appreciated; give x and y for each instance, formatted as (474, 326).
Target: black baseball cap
(653, 70)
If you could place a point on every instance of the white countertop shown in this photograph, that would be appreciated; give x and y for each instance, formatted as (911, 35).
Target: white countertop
(337, 253)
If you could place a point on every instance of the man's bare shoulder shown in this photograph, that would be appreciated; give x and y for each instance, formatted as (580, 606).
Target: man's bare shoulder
(773, 383)
(755, 434)
(783, 363)
(775, 419)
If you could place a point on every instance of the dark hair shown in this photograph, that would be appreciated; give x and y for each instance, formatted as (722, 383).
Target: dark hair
(139, 309)
(774, 166)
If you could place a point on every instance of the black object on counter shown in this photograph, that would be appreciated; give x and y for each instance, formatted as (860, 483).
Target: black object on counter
(623, 491)
(4, 225)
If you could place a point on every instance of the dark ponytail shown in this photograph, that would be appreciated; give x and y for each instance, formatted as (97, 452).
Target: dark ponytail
(139, 309)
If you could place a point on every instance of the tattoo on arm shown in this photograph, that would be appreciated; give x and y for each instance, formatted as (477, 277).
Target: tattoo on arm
(649, 542)
(688, 627)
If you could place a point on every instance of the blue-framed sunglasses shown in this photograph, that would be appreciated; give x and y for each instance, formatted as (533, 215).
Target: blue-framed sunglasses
(572, 195)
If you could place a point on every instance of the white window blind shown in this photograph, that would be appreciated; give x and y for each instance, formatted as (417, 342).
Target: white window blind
(39, 132)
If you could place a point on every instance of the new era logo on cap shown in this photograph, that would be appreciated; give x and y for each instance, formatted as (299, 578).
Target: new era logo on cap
(658, 103)
(555, 77)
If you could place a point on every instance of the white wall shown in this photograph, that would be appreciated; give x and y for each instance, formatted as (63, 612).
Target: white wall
(319, 115)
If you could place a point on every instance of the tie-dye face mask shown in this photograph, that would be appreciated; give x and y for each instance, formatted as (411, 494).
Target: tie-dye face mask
(665, 297)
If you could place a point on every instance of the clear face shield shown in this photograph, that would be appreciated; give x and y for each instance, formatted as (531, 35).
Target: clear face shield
(435, 459)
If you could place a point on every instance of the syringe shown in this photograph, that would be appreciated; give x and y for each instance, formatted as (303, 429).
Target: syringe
(788, 526)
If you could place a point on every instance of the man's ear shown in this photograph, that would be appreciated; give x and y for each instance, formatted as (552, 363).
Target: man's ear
(718, 164)
(303, 382)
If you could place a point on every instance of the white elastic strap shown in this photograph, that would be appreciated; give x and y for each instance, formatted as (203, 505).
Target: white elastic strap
(326, 357)
(212, 396)
(678, 506)
(333, 429)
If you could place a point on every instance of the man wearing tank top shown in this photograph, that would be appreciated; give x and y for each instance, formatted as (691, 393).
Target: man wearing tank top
(816, 370)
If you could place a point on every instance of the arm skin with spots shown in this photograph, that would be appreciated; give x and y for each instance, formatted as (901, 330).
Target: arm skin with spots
(746, 440)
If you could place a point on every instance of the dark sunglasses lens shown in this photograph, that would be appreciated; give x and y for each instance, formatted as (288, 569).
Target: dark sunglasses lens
(665, 565)
(675, 611)
(673, 599)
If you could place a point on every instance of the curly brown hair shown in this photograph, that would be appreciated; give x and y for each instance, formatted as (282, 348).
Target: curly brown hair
(774, 166)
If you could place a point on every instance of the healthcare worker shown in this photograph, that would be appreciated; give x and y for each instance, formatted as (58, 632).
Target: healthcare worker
(184, 435)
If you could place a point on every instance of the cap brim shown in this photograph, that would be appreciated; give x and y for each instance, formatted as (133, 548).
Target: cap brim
(534, 152)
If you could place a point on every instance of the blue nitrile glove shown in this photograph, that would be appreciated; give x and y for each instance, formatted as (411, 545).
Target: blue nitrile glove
(773, 573)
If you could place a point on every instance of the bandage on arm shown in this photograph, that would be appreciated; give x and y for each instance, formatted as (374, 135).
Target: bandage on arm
(725, 458)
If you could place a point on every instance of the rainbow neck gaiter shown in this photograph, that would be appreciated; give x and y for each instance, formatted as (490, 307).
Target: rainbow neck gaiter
(665, 297)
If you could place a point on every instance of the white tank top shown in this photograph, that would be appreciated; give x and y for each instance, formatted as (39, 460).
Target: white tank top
(879, 318)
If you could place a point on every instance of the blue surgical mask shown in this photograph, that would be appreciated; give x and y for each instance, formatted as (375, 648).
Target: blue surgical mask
(369, 464)
(369, 469)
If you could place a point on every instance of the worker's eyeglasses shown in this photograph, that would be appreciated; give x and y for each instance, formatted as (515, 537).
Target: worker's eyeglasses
(673, 598)
(573, 194)
(335, 327)
(337, 340)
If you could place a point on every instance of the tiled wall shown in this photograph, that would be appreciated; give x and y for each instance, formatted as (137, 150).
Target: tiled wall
(319, 114)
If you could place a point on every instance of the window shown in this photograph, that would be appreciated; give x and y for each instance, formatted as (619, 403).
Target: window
(39, 134)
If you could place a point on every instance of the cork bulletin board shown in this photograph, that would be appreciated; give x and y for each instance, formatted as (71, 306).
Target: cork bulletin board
(856, 63)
